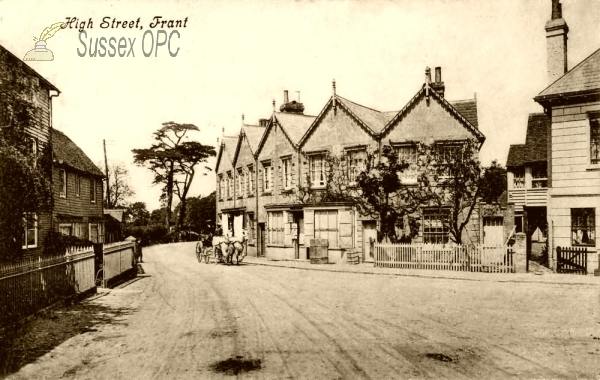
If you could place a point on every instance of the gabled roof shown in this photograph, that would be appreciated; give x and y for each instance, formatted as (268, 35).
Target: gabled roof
(67, 153)
(468, 107)
(535, 148)
(228, 144)
(294, 126)
(253, 135)
(116, 214)
(585, 77)
(374, 120)
(30, 70)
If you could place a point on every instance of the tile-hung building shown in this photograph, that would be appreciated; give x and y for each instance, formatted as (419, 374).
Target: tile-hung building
(572, 101)
(39, 92)
(243, 212)
(78, 191)
(527, 178)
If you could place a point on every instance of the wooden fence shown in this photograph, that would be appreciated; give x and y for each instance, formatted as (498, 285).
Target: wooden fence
(118, 259)
(497, 259)
(32, 284)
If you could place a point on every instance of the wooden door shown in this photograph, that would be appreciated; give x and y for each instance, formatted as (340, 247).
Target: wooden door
(493, 230)
(261, 239)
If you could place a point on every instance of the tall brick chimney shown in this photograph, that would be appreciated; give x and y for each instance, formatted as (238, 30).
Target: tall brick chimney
(556, 42)
(438, 85)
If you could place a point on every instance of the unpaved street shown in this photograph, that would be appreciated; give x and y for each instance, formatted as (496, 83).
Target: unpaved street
(195, 321)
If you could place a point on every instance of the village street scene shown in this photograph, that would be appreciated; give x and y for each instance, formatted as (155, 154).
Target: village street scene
(269, 193)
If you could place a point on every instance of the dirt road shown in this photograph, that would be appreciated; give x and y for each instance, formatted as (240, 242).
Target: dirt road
(195, 321)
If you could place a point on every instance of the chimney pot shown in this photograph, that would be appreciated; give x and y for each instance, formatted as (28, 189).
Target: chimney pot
(285, 97)
(438, 74)
(427, 75)
(556, 9)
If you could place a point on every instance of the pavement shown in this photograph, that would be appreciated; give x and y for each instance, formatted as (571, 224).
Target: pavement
(536, 275)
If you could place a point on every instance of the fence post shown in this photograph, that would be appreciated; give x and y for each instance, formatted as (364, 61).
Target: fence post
(520, 252)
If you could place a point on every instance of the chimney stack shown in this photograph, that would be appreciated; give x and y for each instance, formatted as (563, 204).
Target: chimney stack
(438, 86)
(556, 43)
(291, 107)
(427, 75)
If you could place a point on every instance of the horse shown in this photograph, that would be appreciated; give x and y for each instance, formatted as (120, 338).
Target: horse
(226, 247)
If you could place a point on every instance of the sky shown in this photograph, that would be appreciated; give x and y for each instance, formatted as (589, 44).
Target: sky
(235, 57)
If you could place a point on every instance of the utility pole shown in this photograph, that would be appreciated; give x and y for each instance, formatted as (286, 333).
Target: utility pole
(106, 171)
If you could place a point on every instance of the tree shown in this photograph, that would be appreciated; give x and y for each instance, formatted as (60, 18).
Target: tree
(451, 179)
(118, 190)
(25, 173)
(137, 214)
(201, 213)
(173, 162)
(493, 182)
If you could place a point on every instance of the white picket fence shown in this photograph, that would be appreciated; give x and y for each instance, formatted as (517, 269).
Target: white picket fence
(482, 258)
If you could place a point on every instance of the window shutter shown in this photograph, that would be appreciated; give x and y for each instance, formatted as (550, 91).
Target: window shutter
(261, 181)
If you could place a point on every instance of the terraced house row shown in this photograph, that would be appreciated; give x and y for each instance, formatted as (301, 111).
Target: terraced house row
(262, 172)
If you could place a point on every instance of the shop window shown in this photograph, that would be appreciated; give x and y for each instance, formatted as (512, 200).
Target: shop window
(326, 226)
(275, 227)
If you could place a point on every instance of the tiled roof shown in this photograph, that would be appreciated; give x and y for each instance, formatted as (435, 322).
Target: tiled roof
(535, 148)
(374, 119)
(228, 145)
(294, 125)
(467, 108)
(30, 69)
(117, 214)
(584, 76)
(254, 134)
(67, 153)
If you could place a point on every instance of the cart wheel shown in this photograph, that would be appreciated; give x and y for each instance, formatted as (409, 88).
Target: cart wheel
(207, 254)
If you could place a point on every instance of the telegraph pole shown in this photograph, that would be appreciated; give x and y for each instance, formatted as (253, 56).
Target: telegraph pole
(106, 171)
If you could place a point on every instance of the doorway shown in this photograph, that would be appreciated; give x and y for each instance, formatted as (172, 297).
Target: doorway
(261, 239)
(493, 230)
(369, 233)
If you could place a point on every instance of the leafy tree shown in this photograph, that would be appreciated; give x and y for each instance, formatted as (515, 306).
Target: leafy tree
(119, 190)
(173, 161)
(451, 179)
(137, 214)
(493, 182)
(25, 173)
(201, 213)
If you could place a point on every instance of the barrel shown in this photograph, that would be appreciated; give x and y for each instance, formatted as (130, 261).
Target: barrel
(318, 251)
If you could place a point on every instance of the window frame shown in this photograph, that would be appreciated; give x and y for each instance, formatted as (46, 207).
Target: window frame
(354, 168)
(62, 183)
(410, 175)
(240, 182)
(438, 234)
(286, 175)
(312, 159)
(535, 180)
(594, 133)
(77, 185)
(252, 179)
(518, 180)
(267, 177)
(26, 229)
(93, 190)
(590, 228)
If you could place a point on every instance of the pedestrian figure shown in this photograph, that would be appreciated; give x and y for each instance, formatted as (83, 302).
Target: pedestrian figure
(139, 250)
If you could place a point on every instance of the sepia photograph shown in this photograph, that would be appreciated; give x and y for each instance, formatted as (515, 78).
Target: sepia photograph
(299, 189)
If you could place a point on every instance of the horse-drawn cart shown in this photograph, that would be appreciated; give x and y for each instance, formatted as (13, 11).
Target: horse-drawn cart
(221, 249)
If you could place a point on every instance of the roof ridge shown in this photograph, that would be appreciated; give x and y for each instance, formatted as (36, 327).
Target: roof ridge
(360, 105)
(569, 71)
(462, 100)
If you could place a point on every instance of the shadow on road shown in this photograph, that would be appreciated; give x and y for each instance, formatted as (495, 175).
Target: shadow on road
(25, 343)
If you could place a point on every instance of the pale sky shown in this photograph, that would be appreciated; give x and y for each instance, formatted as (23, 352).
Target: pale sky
(236, 56)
